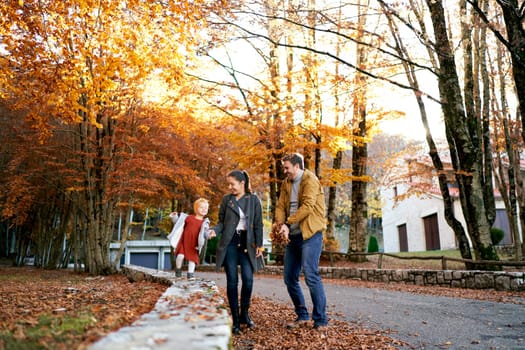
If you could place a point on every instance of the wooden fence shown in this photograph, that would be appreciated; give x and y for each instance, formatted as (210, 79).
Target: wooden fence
(443, 259)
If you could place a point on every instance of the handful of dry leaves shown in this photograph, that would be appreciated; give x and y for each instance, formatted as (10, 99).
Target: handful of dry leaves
(276, 236)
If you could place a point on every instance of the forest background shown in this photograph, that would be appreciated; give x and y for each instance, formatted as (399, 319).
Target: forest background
(120, 107)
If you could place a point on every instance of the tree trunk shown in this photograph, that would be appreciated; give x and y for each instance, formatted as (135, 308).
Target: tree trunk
(96, 164)
(513, 215)
(274, 120)
(124, 237)
(513, 16)
(331, 243)
(448, 203)
(463, 150)
(359, 211)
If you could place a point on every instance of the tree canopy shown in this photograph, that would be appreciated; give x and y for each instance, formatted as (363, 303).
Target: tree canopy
(109, 108)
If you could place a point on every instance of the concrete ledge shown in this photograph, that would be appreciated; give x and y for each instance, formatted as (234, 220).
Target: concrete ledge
(189, 315)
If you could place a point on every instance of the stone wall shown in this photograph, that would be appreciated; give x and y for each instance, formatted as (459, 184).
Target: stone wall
(501, 281)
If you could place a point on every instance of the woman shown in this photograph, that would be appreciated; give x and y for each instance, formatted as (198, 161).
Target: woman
(240, 229)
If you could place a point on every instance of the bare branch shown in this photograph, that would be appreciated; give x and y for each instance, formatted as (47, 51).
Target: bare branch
(335, 57)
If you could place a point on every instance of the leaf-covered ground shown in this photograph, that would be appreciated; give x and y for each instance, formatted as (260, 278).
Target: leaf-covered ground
(48, 309)
(270, 332)
(45, 309)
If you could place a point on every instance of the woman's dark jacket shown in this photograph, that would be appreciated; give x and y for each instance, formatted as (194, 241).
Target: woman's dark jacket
(229, 217)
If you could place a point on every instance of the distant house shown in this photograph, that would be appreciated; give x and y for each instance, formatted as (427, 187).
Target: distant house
(413, 210)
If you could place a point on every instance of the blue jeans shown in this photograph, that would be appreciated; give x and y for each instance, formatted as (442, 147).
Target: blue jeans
(305, 254)
(233, 258)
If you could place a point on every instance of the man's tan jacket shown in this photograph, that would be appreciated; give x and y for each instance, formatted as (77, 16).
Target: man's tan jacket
(311, 211)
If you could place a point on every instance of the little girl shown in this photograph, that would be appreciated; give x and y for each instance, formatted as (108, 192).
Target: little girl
(193, 237)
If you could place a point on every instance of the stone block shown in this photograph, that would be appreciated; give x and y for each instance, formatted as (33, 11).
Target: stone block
(430, 278)
(517, 284)
(457, 275)
(419, 280)
(398, 276)
(455, 284)
(483, 281)
(440, 277)
(469, 282)
(502, 282)
(385, 277)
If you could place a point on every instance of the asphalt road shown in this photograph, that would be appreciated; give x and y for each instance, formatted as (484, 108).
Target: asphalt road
(423, 321)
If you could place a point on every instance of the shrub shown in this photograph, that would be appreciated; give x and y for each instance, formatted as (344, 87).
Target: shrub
(496, 235)
(373, 246)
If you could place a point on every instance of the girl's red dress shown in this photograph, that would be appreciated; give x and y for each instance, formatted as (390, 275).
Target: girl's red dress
(188, 244)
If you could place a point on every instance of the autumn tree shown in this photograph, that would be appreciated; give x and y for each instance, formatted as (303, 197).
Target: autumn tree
(359, 213)
(297, 98)
(512, 37)
(508, 146)
(467, 127)
(463, 134)
(411, 73)
(466, 103)
(80, 69)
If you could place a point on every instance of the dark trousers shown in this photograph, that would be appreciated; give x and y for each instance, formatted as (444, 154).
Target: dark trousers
(235, 257)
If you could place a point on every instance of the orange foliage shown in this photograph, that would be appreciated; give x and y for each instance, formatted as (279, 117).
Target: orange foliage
(76, 72)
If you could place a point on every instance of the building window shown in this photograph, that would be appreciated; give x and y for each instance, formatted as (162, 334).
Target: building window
(403, 237)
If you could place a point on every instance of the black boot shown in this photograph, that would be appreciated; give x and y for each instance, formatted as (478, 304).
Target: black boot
(236, 327)
(244, 317)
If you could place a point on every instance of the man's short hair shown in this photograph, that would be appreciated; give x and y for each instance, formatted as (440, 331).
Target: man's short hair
(295, 158)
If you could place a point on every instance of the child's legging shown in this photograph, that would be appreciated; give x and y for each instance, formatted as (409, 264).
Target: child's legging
(180, 259)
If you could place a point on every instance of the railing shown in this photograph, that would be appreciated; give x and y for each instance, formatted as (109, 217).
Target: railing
(443, 259)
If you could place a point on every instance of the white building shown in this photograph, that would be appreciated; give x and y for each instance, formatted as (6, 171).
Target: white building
(413, 211)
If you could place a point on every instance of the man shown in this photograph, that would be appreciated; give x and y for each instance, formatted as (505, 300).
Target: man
(300, 216)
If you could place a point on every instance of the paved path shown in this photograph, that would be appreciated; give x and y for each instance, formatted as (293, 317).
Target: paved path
(423, 321)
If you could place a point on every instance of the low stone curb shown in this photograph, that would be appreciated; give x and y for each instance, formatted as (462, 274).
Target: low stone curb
(498, 280)
(189, 315)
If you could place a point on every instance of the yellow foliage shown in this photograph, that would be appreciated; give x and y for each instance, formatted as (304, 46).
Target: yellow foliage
(75, 61)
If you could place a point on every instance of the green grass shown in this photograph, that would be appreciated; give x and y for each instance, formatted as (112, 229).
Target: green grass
(50, 329)
(434, 264)
(452, 253)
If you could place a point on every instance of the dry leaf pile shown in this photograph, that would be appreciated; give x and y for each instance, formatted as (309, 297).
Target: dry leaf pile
(51, 309)
(270, 332)
(276, 236)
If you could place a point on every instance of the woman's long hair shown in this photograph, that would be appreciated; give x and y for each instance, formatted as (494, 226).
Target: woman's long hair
(242, 176)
